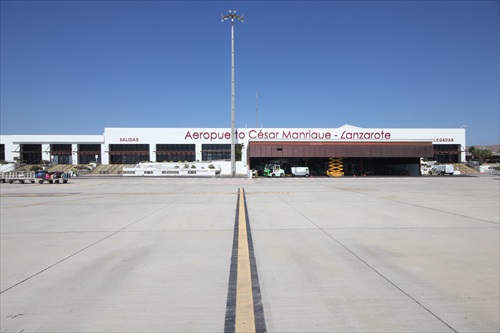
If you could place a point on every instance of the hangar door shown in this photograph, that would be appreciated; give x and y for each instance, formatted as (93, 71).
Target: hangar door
(378, 158)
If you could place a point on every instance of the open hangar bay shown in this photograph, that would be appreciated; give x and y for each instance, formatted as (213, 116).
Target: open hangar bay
(400, 254)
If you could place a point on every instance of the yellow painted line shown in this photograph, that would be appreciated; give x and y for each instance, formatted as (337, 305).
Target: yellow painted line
(245, 317)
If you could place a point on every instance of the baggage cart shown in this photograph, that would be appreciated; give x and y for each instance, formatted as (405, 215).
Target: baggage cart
(53, 177)
(17, 176)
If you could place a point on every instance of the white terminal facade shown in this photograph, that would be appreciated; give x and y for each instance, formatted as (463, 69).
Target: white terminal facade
(362, 150)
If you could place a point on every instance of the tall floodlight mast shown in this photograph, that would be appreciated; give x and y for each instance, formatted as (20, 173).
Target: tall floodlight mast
(232, 16)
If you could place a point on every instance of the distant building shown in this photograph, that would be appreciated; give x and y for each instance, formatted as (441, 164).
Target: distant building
(378, 151)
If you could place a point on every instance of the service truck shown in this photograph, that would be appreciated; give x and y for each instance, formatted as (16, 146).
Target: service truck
(442, 169)
(300, 171)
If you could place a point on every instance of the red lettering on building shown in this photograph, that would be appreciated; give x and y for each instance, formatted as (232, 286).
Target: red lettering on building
(208, 135)
(347, 135)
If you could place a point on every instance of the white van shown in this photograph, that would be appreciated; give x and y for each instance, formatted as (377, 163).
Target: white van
(442, 169)
(300, 171)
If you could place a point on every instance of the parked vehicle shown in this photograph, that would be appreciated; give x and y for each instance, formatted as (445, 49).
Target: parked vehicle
(53, 177)
(300, 171)
(442, 169)
(273, 170)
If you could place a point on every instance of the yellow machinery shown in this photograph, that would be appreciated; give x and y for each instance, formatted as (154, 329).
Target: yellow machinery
(335, 167)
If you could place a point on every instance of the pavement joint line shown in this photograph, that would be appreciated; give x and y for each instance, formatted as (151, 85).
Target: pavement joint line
(373, 269)
(391, 283)
(244, 311)
(412, 204)
(90, 245)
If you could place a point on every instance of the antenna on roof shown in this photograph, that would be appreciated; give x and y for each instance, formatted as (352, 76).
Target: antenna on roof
(256, 109)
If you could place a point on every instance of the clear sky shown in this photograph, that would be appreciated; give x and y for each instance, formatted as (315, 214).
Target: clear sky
(75, 67)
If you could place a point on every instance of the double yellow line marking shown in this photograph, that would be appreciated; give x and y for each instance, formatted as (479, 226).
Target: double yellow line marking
(244, 311)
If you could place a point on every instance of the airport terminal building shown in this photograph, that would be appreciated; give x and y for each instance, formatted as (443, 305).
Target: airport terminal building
(359, 151)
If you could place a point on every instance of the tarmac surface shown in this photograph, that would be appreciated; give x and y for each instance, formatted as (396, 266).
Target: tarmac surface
(366, 254)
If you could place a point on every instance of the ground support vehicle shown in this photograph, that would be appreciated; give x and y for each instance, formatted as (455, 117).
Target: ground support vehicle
(335, 167)
(273, 170)
(442, 169)
(300, 171)
(54, 178)
(19, 176)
